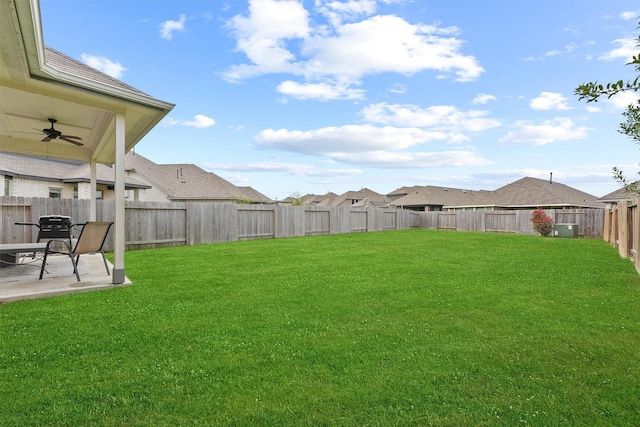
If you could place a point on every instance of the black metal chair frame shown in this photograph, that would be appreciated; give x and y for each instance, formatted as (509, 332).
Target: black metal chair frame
(51, 227)
(89, 241)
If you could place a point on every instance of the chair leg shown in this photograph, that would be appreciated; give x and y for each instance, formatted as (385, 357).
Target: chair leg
(106, 266)
(44, 262)
(75, 266)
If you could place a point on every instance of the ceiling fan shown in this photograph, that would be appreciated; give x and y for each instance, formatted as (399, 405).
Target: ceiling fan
(52, 133)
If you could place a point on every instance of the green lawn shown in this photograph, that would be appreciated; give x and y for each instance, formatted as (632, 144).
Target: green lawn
(417, 327)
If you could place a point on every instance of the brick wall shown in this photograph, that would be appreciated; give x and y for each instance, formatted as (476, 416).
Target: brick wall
(23, 187)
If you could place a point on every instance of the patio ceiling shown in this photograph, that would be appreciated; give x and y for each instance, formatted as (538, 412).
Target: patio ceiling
(38, 83)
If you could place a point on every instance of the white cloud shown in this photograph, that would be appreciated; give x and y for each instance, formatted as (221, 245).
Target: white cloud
(483, 98)
(388, 44)
(625, 50)
(566, 175)
(441, 117)
(199, 121)
(398, 89)
(105, 65)
(295, 169)
(567, 49)
(321, 91)
(278, 37)
(167, 28)
(368, 145)
(385, 159)
(559, 129)
(350, 138)
(339, 11)
(629, 15)
(549, 101)
(623, 99)
(263, 37)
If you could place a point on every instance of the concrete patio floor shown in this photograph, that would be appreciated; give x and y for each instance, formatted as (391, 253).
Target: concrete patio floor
(20, 282)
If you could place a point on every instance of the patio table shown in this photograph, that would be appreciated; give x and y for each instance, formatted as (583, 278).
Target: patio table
(9, 251)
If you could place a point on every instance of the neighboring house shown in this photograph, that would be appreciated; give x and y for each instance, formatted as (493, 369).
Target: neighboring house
(531, 193)
(615, 197)
(186, 183)
(433, 198)
(307, 199)
(25, 176)
(526, 193)
(314, 199)
(253, 196)
(355, 198)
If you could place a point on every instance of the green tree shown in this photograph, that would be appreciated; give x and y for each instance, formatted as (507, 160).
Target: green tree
(297, 199)
(631, 126)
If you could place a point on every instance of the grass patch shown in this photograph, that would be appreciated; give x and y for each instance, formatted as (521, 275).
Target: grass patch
(417, 327)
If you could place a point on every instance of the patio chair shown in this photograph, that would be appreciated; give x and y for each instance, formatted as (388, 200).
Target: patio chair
(90, 241)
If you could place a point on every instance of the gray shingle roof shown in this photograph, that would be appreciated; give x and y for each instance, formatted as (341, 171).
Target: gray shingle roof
(534, 192)
(617, 196)
(64, 63)
(524, 193)
(442, 196)
(249, 193)
(60, 171)
(190, 182)
(344, 198)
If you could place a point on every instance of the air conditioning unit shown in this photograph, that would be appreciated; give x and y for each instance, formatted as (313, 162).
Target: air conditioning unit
(565, 230)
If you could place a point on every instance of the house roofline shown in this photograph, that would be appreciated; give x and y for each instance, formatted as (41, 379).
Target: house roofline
(528, 206)
(40, 69)
(127, 185)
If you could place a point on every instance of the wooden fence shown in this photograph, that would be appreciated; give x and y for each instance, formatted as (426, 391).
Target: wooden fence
(155, 224)
(590, 221)
(622, 230)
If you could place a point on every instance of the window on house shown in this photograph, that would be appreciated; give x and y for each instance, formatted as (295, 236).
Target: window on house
(75, 190)
(55, 193)
(98, 194)
(7, 181)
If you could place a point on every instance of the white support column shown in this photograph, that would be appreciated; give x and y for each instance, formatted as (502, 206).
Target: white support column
(93, 188)
(119, 229)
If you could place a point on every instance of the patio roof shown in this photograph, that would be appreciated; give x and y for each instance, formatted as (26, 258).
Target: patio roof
(38, 83)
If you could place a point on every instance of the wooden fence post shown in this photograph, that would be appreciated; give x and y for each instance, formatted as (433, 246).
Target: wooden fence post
(635, 233)
(623, 234)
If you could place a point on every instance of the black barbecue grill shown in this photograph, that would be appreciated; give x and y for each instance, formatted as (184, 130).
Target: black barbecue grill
(52, 227)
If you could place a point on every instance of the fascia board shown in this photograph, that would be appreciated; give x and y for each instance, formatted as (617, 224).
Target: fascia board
(32, 31)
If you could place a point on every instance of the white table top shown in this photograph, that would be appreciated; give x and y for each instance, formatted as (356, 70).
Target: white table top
(16, 248)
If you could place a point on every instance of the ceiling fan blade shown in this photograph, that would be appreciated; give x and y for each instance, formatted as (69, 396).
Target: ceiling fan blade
(66, 138)
(46, 139)
(72, 137)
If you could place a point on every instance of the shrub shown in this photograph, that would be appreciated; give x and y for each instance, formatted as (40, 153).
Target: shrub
(541, 222)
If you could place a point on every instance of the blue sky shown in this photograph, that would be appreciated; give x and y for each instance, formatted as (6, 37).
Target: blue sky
(320, 95)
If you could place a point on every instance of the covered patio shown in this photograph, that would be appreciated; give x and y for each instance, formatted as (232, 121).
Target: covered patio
(105, 117)
(20, 282)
